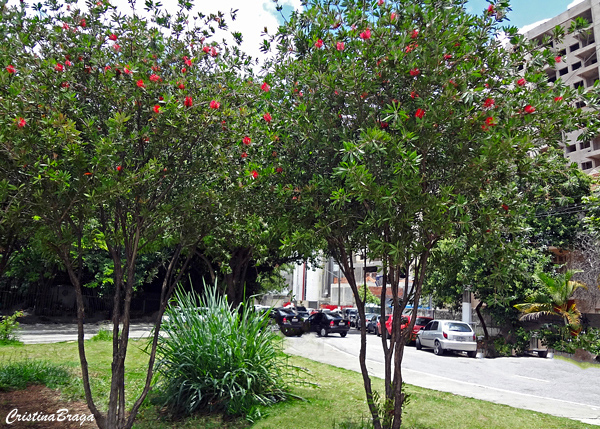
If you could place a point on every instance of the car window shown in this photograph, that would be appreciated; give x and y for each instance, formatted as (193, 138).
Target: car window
(428, 327)
(433, 326)
(459, 327)
(421, 321)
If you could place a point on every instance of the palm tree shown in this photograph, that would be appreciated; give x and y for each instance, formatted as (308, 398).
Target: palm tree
(553, 299)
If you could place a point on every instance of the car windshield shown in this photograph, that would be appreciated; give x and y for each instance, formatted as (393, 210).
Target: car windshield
(287, 311)
(332, 316)
(459, 327)
(422, 321)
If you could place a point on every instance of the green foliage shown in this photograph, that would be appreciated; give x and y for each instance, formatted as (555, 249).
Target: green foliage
(19, 374)
(553, 299)
(367, 296)
(9, 326)
(217, 359)
(563, 339)
(103, 335)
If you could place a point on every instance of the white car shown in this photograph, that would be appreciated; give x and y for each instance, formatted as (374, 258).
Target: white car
(442, 335)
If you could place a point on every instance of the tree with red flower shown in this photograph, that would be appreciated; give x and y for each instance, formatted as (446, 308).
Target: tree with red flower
(319, 43)
(10, 69)
(214, 104)
(188, 102)
(420, 113)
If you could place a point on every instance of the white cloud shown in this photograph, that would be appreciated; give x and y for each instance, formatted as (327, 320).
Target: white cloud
(573, 3)
(528, 27)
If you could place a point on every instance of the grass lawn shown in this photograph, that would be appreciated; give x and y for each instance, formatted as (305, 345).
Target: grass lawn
(337, 399)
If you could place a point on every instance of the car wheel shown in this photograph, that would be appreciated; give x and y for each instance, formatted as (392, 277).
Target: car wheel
(437, 348)
(323, 332)
(418, 345)
(299, 333)
(472, 354)
(343, 334)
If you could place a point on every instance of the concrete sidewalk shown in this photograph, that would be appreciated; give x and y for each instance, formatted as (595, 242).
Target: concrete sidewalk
(329, 354)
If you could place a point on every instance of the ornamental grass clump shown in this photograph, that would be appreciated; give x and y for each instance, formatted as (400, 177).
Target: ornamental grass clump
(213, 358)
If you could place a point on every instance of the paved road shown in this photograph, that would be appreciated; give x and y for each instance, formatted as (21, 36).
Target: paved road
(550, 386)
(43, 333)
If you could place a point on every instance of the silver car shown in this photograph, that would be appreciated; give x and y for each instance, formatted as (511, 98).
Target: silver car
(442, 335)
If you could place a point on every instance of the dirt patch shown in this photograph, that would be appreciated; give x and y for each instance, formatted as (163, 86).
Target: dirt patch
(46, 403)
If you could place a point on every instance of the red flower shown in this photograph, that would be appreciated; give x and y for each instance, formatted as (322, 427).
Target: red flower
(87, 174)
(161, 98)
(490, 121)
(140, 83)
(247, 140)
(59, 67)
(213, 52)
(491, 10)
(10, 69)
(82, 23)
(244, 154)
(65, 26)
(415, 72)
(393, 16)
(117, 47)
(366, 35)
(187, 61)
(20, 122)
(529, 109)
(413, 94)
(65, 84)
(558, 59)
(107, 68)
(559, 98)
(127, 71)
(420, 113)
(214, 104)
(380, 2)
(154, 77)
(183, 70)
(188, 102)
(505, 207)
(265, 87)
(206, 49)
(267, 117)
(340, 46)
(68, 63)
(254, 174)
(489, 102)
(414, 34)
(156, 108)
(384, 125)
(119, 168)
(279, 170)
(521, 82)
(319, 44)
(409, 48)
(113, 37)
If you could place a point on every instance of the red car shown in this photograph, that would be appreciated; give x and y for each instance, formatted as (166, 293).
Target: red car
(419, 323)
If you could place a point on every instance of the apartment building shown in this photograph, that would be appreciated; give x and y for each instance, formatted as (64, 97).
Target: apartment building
(579, 67)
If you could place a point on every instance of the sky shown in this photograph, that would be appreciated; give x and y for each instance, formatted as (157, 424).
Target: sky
(527, 12)
(254, 15)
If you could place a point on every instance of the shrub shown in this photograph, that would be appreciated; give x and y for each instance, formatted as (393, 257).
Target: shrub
(102, 335)
(8, 327)
(217, 359)
(560, 338)
(18, 375)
